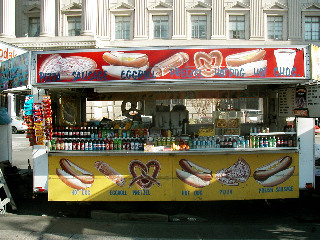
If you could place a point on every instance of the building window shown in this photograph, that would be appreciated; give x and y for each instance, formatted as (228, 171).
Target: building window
(237, 27)
(34, 27)
(74, 26)
(122, 27)
(312, 28)
(275, 30)
(160, 27)
(199, 26)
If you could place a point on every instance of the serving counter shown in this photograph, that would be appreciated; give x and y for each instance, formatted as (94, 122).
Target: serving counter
(195, 175)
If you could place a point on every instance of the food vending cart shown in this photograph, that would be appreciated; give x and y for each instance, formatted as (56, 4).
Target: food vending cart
(224, 150)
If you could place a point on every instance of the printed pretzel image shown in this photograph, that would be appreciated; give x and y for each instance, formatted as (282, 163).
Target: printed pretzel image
(208, 62)
(144, 180)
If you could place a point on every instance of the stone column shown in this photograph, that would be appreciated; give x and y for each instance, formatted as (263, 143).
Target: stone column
(47, 18)
(256, 20)
(140, 20)
(294, 20)
(179, 20)
(218, 20)
(7, 15)
(103, 28)
(89, 17)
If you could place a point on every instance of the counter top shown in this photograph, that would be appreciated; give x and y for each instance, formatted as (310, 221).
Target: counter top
(214, 151)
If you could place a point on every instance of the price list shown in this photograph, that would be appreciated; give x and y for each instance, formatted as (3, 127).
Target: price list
(286, 102)
(313, 100)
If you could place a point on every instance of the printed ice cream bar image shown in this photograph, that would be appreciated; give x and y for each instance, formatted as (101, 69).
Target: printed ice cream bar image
(285, 58)
(247, 61)
(122, 62)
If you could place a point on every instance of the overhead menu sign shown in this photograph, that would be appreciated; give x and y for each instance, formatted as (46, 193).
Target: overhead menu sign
(211, 64)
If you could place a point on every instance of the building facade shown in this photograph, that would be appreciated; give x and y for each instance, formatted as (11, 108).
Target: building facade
(69, 24)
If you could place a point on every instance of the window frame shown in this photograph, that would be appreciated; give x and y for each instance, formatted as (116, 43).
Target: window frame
(267, 28)
(160, 9)
(246, 14)
(191, 25)
(312, 10)
(29, 22)
(151, 32)
(130, 27)
(277, 10)
(73, 10)
(32, 12)
(73, 29)
(304, 28)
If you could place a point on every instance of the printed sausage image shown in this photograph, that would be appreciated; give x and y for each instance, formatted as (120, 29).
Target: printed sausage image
(122, 62)
(193, 174)
(74, 176)
(275, 172)
(247, 61)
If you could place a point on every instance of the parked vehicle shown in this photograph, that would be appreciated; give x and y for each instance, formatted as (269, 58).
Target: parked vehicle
(18, 125)
(316, 129)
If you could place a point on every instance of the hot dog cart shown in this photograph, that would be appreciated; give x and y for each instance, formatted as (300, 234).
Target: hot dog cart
(198, 124)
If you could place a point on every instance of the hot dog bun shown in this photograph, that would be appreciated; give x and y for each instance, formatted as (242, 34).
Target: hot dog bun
(71, 181)
(275, 172)
(238, 59)
(73, 175)
(204, 173)
(76, 171)
(191, 179)
(135, 60)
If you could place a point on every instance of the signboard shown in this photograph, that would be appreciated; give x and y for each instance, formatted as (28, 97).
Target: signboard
(15, 72)
(8, 51)
(167, 64)
(173, 177)
(315, 62)
(313, 100)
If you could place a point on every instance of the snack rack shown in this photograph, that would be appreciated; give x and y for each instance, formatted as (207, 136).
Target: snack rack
(227, 122)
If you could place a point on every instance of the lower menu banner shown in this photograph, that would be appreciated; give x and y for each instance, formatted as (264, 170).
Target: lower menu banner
(174, 177)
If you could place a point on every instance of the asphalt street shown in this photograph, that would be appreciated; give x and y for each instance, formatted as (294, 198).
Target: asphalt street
(36, 218)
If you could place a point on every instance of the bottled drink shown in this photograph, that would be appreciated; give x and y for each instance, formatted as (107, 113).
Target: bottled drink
(128, 143)
(74, 145)
(90, 145)
(111, 144)
(132, 144)
(62, 144)
(107, 144)
(78, 144)
(115, 144)
(234, 143)
(81, 132)
(86, 145)
(82, 148)
(58, 144)
(124, 144)
(119, 143)
(290, 141)
(103, 145)
(230, 143)
(218, 143)
(136, 144)
(222, 142)
(53, 145)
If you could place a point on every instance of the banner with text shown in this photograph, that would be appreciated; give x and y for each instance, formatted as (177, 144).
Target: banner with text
(187, 64)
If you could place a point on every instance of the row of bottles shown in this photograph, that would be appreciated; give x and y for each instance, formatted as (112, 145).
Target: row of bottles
(81, 144)
(220, 142)
(96, 132)
(243, 142)
(273, 141)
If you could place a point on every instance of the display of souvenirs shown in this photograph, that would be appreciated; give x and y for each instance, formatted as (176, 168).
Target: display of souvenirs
(28, 118)
(47, 117)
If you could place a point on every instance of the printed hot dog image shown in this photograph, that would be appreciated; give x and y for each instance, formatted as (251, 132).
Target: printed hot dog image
(193, 174)
(142, 176)
(275, 172)
(110, 173)
(67, 66)
(247, 61)
(207, 63)
(74, 176)
(122, 61)
(175, 61)
(237, 173)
